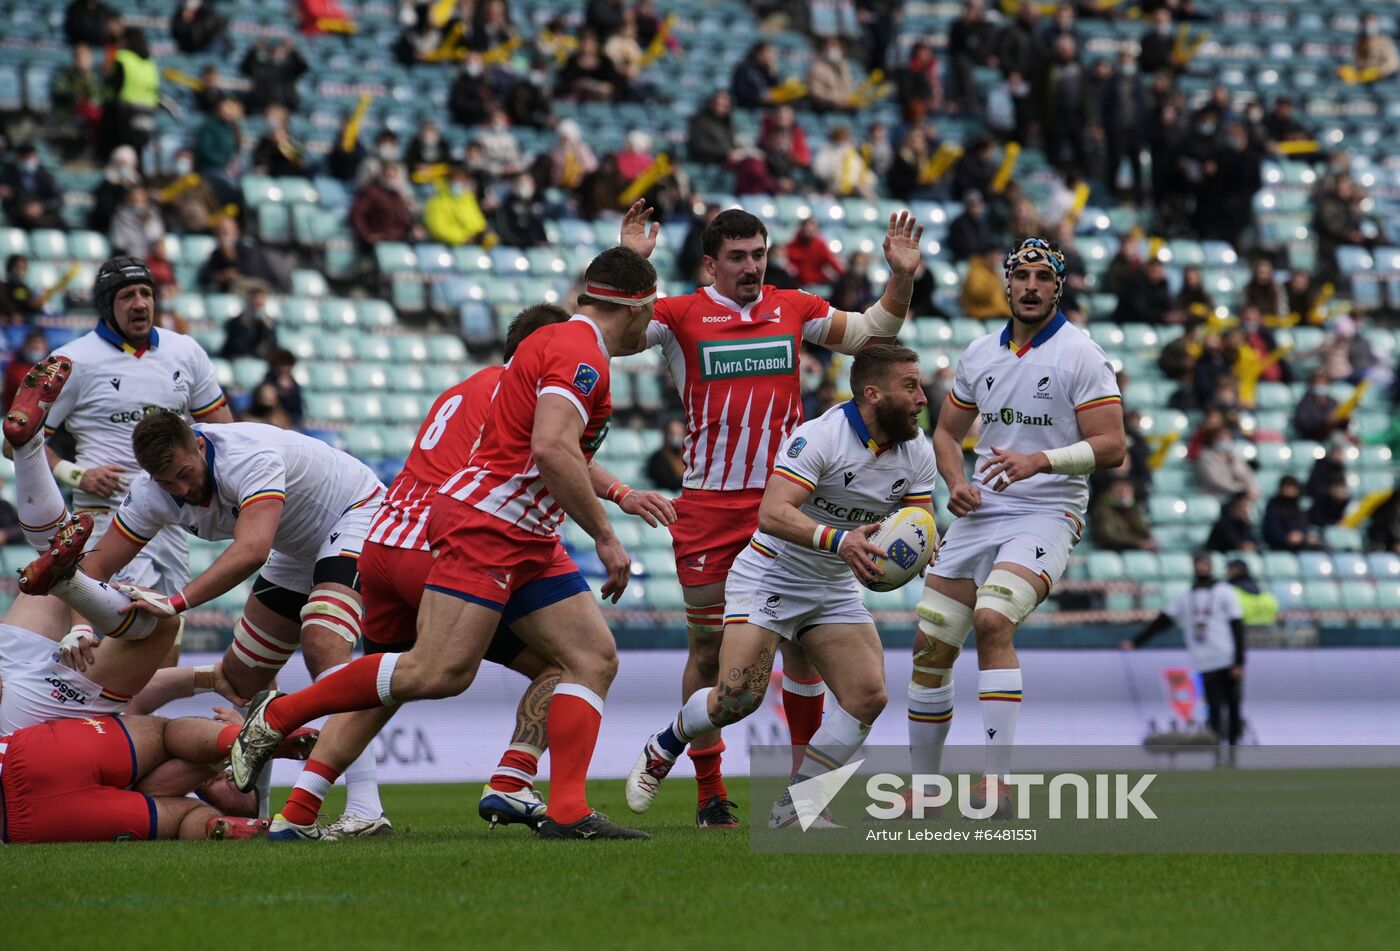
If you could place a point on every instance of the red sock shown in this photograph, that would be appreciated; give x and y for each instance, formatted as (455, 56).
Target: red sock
(517, 768)
(304, 804)
(709, 781)
(353, 687)
(575, 714)
(226, 738)
(803, 708)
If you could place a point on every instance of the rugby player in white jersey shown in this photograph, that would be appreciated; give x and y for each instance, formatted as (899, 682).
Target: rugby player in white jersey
(298, 512)
(1051, 414)
(122, 370)
(835, 478)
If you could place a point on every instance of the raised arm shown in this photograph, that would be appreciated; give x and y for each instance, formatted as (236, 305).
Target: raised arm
(882, 321)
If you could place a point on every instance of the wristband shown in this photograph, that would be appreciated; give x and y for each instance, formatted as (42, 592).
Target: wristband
(67, 473)
(826, 538)
(204, 678)
(178, 602)
(1077, 459)
(617, 492)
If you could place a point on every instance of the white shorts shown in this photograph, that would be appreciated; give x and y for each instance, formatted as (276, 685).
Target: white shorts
(975, 542)
(763, 591)
(162, 565)
(38, 689)
(346, 537)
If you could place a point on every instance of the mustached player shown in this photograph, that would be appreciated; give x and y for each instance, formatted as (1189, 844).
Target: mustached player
(1051, 414)
(732, 351)
(122, 370)
(835, 479)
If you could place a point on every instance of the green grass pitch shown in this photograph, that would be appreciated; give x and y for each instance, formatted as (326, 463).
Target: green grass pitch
(445, 881)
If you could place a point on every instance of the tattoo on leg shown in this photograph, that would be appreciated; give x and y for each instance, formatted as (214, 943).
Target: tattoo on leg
(739, 695)
(533, 712)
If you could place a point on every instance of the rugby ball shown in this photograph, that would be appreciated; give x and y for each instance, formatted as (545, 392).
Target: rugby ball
(909, 539)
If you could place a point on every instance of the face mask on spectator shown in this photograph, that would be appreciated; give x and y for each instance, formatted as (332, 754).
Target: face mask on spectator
(1130, 69)
(473, 69)
(675, 442)
(525, 189)
(29, 166)
(35, 354)
(389, 153)
(183, 166)
(1122, 502)
(459, 188)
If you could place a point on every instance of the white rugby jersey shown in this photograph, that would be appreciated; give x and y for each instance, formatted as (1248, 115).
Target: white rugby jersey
(1030, 400)
(114, 385)
(853, 482)
(250, 463)
(1204, 616)
(39, 689)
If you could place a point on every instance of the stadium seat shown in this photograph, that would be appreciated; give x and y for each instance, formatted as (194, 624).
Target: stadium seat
(308, 283)
(1281, 566)
(1141, 566)
(339, 313)
(1322, 596)
(1384, 564)
(13, 241)
(48, 244)
(88, 246)
(1104, 566)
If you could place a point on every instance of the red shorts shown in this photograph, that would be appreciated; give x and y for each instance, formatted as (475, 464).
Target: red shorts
(710, 530)
(69, 781)
(482, 559)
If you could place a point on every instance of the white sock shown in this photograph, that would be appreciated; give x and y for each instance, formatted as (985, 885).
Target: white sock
(840, 736)
(101, 605)
(999, 696)
(362, 787)
(39, 502)
(362, 776)
(930, 719)
(695, 715)
(264, 787)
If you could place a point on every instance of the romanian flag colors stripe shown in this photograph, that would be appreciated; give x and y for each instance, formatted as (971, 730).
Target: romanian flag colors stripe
(763, 550)
(829, 539)
(960, 403)
(1101, 401)
(206, 410)
(265, 495)
(1010, 696)
(791, 476)
(921, 717)
(127, 530)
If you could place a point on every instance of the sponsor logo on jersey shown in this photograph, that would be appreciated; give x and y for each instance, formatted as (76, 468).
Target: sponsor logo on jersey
(1012, 417)
(797, 446)
(1042, 389)
(95, 724)
(64, 692)
(116, 382)
(502, 578)
(136, 415)
(696, 564)
(897, 490)
(848, 477)
(585, 378)
(849, 513)
(759, 356)
(716, 319)
(990, 381)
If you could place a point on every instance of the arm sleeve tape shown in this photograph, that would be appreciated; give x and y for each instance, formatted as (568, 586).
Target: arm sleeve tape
(1077, 459)
(876, 321)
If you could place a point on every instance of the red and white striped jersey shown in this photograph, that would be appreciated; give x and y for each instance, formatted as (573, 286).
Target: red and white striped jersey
(502, 479)
(737, 372)
(444, 445)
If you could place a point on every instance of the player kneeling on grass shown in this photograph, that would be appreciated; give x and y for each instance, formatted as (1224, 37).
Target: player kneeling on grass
(835, 479)
(105, 778)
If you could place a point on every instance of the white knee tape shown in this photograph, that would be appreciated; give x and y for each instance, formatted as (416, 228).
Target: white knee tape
(941, 619)
(334, 612)
(257, 648)
(1008, 594)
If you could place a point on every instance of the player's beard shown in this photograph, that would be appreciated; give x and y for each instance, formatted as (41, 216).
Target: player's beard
(896, 421)
(1043, 311)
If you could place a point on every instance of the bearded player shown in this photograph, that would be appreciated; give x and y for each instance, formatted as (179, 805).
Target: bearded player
(493, 530)
(840, 475)
(732, 349)
(394, 567)
(1051, 414)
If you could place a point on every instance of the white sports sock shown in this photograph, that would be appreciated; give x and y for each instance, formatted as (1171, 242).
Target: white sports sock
(101, 605)
(362, 776)
(39, 502)
(999, 696)
(840, 736)
(362, 787)
(695, 715)
(930, 719)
